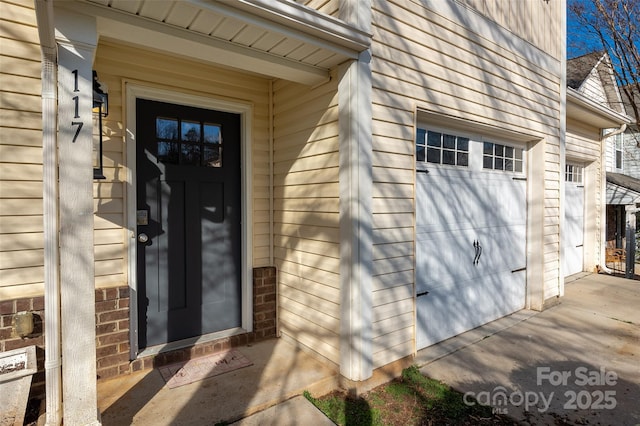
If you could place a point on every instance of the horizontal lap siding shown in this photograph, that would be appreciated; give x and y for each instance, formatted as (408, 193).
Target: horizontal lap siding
(518, 15)
(583, 141)
(115, 64)
(329, 7)
(431, 59)
(21, 224)
(631, 160)
(306, 215)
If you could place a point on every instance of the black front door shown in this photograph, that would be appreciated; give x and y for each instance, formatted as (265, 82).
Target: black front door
(188, 222)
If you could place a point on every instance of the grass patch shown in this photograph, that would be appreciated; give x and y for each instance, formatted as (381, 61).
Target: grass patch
(413, 399)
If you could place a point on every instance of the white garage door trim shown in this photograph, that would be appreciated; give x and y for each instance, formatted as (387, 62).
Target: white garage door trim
(470, 232)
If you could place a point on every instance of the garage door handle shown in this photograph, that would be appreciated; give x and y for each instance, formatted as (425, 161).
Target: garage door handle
(423, 293)
(581, 245)
(478, 247)
(519, 270)
(422, 171)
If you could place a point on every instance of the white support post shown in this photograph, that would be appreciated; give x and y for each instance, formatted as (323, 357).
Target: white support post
(76, 38)
(356, 245)
(354, 103)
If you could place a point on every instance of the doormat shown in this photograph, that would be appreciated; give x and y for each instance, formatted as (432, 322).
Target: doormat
(197, 369)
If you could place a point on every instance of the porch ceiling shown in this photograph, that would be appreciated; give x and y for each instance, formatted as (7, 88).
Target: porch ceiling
(275, 38)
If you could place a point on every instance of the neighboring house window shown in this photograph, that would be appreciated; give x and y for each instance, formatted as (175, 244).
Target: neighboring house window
(442, 148)
(573, 173)
(618, 151)
(502, 157)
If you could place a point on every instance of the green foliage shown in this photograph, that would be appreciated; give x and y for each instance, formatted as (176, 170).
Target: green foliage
(346, 410)
(414, 399)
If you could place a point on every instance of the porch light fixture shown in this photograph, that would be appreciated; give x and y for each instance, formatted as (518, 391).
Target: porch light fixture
(100, 109)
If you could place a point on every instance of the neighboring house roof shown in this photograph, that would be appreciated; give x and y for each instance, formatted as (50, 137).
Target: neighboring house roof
(622, 189)
(592, 75)
(579, 68)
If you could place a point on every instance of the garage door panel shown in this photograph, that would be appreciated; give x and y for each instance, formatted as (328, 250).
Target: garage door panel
(443, 313)
(573, 235)
(470, 248)
(446, 257)
(488, 199)
(444, 268)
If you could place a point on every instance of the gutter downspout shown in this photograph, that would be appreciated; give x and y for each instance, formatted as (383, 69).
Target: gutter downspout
(603, 188)
(53, 359)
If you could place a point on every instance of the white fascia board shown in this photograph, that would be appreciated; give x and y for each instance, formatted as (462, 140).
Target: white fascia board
(299, 21)
(584, 109)
(159, 36)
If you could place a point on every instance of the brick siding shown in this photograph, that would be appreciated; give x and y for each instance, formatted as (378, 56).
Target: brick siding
(10, 341)
(112, 331)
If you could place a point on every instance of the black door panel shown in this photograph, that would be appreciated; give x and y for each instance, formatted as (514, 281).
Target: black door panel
(188, 180)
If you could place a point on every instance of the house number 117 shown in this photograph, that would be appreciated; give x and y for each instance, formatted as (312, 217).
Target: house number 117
(76, 101)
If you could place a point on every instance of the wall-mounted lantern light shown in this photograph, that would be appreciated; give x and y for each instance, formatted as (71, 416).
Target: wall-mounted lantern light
(100, 110)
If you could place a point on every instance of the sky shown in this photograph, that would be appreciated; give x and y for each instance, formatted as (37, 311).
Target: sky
(579, 40)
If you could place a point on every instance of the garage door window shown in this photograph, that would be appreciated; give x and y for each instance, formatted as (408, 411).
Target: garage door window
(573, 173)
(442, 148)
(502, 157)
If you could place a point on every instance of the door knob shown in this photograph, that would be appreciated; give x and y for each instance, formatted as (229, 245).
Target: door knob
(143, 238)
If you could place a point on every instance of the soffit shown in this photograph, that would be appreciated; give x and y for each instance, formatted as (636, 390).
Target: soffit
(583, 109)
(275, 38)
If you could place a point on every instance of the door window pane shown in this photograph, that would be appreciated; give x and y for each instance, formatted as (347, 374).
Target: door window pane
(167, 128)
(212, 156)
(167, 140)
(212, 153)
(190, 131)
(211, 133)
(190, 154)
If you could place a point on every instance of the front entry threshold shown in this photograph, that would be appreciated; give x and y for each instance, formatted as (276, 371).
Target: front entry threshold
(185, 343)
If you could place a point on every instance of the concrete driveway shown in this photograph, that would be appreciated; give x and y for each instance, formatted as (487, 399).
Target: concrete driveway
(575, 363)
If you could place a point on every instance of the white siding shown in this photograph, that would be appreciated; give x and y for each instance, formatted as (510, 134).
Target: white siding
(632, 154)
(21, 239)
(306, 215)
(329, 7)
(593, 89)
(518, 16)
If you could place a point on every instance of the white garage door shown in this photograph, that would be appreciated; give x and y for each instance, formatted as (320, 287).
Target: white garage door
(471, 234)
(573, 235)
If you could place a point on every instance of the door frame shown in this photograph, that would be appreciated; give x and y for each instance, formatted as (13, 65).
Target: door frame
(133, 91)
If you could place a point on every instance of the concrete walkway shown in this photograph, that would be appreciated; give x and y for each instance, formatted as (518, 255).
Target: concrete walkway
(575, 363)
(578, 362)
(280, 372)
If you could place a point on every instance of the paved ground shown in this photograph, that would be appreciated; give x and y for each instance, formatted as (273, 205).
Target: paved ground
(578, 361)
(280, 372)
